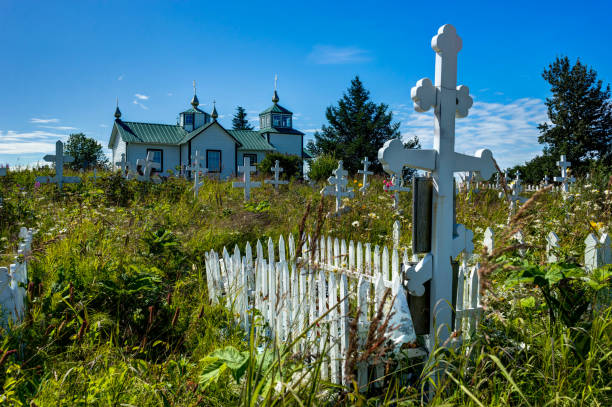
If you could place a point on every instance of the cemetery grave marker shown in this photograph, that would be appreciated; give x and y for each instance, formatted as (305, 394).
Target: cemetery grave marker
(246, 169)
(147, 166)
(196, 168)
(364, 183)
(59, 159)
(338, 187)
(397, 186)
(276, 181)
(449, 101)
(565, 179)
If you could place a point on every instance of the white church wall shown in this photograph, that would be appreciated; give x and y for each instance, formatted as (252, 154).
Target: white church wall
(215, 138)
(260, 155)
(170, 155)
(287, 143)
(185, 154)
(118, 148)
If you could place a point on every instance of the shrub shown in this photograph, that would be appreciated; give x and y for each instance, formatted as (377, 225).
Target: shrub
(322, 167)
(291, 165)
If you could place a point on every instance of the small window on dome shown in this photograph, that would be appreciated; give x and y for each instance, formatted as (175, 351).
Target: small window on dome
(286, 121)
(188, 119)
(276, 120)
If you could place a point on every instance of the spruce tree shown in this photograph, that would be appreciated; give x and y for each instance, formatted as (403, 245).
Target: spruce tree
(357, 127)
(580, 113)
(240, 122)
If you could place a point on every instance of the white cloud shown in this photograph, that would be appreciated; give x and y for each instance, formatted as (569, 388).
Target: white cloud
(120, 77)
(311, 130)
(43, 142)
(508, 130)
(103, 126)
(332, 55)
(170, 93)
(35, 120)
(137, 103)
(141, 96)
(59, 127)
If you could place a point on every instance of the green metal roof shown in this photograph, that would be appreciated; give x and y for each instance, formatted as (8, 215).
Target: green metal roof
(251, 140)
(151, 133)
(194, 110)
(276, 108)
(281, 130)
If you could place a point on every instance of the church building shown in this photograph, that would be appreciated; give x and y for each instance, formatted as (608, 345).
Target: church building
(222, 150)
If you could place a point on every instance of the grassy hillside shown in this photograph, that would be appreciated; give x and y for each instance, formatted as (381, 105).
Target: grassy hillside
(118, 312)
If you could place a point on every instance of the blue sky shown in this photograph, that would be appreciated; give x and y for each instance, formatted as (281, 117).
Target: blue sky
(64, 63)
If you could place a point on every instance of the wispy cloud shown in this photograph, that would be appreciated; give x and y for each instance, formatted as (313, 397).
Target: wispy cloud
(120, 77)
(311, 130)
(38, 141)
(36, 120)
(137, 103)
(141, 96)
(508, 130)
(170, 93)
(333, 55)
(59, 127)
(103, 126)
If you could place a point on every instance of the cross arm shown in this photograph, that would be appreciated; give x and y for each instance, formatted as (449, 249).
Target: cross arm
(419, 275)
(481, 162)
(394, 157)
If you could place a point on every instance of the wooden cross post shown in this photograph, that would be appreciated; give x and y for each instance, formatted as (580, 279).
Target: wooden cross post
(564, 179)
(448, 240)
(338, 187)
(124, 165)
(246, 183)
(59, 159)
(398, 186)
(276, 181)
(147, 165)
(196, 168)
(364, 183)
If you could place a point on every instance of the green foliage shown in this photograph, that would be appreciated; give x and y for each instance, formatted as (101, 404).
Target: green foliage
(86, 151)
(240, 121)
(321, 168)
(291, 165)
(357, 128)
(257, 207)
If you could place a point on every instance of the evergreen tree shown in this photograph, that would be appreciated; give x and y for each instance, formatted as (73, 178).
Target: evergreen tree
(87, 152)
(580, 111)
(240, 122)
(357, 128)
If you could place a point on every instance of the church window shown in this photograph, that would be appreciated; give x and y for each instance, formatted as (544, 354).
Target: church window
(252, 158)
(286, 121)
(158, 157)
(276, 120)
(188, 119)
(213, 160)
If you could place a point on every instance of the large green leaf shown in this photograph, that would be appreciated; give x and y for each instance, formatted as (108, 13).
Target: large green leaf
(222, 359)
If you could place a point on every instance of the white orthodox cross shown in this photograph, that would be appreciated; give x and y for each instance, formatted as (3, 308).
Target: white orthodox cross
(276, 181)
(545, 180)
(95, 175)
(246, 183)
(564, 178)
(147, 166)
(123, 164)
(397, 186)
(196, 168)
(59, 159)
(338, 187)
(364, 183)
(449, 101)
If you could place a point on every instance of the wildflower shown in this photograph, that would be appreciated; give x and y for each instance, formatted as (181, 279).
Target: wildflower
(37, 185)
(355, 224)
(360, 185)
(597, 225)
(354, 181)
(373, 215)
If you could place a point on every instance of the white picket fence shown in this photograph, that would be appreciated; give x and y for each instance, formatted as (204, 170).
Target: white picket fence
(13, 280)
(323, 289)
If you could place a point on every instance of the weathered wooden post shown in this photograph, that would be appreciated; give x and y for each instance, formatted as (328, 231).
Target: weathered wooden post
(448, 240)
(59, 159)
(246, 183)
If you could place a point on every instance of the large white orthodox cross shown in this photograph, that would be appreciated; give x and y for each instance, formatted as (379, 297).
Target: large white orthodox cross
(196, 168)
(564, 179)
(147, 166)
(246, 183)
(276, 181)
(338, 187)
(449, 102)
(59, 159)
(364, 183)
(397, 186)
